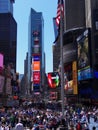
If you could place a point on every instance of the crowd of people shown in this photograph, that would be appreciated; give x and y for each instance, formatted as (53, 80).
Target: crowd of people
(34, 118)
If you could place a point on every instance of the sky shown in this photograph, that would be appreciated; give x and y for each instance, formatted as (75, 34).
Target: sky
(21, 14)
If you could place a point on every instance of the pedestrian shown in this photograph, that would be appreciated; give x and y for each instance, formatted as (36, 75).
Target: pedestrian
(78, 126)
(19, 126)
(94, 128)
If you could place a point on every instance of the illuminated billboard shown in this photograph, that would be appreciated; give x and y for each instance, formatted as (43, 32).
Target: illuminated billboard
(36, 77)
(1, 60)
(74, 75)
(68, 78)
(36, 87)
(83, 43)
(53, 79)
(36, 33)
(36, 40)
(36, 65)
(36, 58)
(53, 95)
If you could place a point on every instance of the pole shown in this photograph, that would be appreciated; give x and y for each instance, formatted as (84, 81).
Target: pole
(62, 65)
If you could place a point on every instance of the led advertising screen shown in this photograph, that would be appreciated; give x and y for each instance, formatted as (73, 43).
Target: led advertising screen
(36, 58)
(1, 60)
(35, 33)
(74, 75)
(36, 87)
(36, 77)
(68, 79)
(53, 95)
(36, 65)
(84, 69)
(53, 79)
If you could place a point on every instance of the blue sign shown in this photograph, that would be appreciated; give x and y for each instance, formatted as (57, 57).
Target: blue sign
(36, 58)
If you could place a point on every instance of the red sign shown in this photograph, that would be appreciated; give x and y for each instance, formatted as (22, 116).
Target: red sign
(36, 77)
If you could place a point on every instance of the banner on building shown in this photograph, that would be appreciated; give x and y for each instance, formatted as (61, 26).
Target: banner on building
(74, 69)
(36, 77)
(36, 66)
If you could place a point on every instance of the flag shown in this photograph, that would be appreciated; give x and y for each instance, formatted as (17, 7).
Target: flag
(60, 11)
(57, 31)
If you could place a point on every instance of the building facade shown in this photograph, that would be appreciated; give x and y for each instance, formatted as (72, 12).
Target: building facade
(8, 47)
(8, 32)
(8, 38)
(80, 31)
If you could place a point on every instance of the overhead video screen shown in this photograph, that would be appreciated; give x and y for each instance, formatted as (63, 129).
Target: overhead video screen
(84, 69)
(53, 79)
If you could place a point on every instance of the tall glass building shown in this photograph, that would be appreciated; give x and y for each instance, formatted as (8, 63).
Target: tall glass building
(8, 32)
(6, 6)
(36, 55)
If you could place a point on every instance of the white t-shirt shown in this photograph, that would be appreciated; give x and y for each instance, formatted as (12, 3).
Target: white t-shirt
(19, 126)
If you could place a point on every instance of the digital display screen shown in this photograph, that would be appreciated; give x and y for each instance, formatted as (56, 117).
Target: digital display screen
(84, 69)
(53, 79)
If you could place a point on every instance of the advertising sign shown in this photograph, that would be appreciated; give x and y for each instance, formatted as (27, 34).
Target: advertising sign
(53, 79)
(95, 32)
(74, 69)
(36, 40)
(1, 61)
(36, 65)
(68, 79)
(36, 58)
(36, 87)
(53, 95)
(36, 77)
(35, 33)
(84, 70)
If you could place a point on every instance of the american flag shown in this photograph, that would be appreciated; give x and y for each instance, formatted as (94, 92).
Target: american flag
(60, 11)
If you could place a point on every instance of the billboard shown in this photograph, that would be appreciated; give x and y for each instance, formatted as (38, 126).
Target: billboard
(36, 87)
(68, 79)
(84, 66)
(36, 40)
(53, 79)
(95, 34)
(1, 60)
(36, 58)
(74, 75)
(53, 95)
(36, 77)
(35, 33)
(36, 65)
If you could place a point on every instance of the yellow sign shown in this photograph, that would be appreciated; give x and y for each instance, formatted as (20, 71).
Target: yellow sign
(74, 69)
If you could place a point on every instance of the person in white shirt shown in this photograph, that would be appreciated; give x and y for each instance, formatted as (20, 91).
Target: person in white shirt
(19, 126)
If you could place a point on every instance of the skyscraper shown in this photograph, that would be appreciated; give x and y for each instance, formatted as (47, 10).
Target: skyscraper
(6, 6)
(8, 32)
(36, 55)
